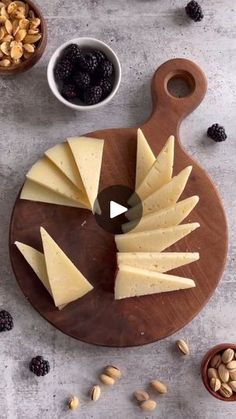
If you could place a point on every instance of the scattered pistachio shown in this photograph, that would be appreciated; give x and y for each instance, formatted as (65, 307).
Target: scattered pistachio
(73, 403)
(141, 395)
(183, 347)
(113, 372)
(105, 379)
(95, 393)
(148, 405)
(159, 386)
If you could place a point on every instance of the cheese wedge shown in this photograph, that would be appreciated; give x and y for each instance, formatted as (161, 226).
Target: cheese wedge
(88, 153)
(164, 197)
(145, 158)
(32, 191)
(134, 282)
(62, 157)
(46, 174)
(159, 174)
(169, 217)
(154, 240)
(159, 262)
(66, 281)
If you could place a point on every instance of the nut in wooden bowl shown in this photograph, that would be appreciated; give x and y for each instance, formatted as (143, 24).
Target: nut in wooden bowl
(23, 35)
(215, 359)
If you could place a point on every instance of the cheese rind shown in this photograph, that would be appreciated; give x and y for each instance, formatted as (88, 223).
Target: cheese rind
(154, 240)
(88, 154)
(134, 282)
(168, 217)
(144, 159)
(66, 281)
(159, 174)
(164, 197)
(159, 262)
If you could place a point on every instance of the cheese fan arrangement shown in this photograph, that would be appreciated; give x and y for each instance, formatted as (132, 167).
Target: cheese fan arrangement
(69, 175)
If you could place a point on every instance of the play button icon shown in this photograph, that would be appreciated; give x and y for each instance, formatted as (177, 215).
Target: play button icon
(111, 206)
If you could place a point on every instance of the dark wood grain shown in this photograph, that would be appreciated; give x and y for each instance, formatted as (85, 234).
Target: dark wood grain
(97, 318)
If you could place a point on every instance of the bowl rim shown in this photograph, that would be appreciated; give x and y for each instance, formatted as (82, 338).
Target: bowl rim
(51, 64)
(204, 367)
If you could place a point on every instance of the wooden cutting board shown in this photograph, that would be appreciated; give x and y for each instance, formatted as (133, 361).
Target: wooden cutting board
(97, 318)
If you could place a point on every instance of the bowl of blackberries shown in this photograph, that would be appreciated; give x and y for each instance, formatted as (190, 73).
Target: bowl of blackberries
(84, 73)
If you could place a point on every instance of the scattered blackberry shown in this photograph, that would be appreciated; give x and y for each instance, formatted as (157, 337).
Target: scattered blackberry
(39, 366)
(63, 70)
(69, 91)
(72, 53)
(106, 87)
(93, 95)
(82, 80)
(106, 69)
(6, 321)
(217, 133)
(88, 62)
(99, 55)
(194, 11)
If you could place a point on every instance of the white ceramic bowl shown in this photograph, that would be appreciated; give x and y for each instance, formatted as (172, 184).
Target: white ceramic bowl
(84, 43)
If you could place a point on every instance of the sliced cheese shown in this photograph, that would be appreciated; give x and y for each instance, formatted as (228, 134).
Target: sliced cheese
(88, 153)
(145, 158)
(46, 174)
(164, 197)
(66, 281)
(32, 191)
(159, 262)
(159, 174)
(134, 282)
(154, 240)
(169, 217)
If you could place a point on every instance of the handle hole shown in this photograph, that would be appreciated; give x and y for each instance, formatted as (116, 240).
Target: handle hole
(180, 84)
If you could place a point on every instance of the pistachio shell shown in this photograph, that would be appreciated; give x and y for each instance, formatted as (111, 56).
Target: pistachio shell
(21, 34)
(5, 62)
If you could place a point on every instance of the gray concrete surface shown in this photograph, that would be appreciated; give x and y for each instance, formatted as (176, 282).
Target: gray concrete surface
(144, 34)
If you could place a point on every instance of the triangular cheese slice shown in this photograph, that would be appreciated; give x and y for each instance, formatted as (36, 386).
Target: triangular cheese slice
(168, 217)
(145, 158)
(154, 240)
(88, 153)
(46, 174)
(158, 262)
(66, 281)
(134, 282)
(63, 158)
(32, 191)
(159, 174)
(164, 197)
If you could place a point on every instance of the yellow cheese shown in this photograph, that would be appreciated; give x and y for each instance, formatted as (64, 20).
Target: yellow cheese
(32, 191)
(159, 262)
(169, 217)
(66, 281)
(154, 240)
(88, 153)
(62, 157)
(159, 174)
(145, 158)
(164, 197)
(46, 174)
(134, 282)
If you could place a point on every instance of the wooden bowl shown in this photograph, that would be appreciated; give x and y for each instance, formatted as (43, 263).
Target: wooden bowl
(206, 364)
(30, 62)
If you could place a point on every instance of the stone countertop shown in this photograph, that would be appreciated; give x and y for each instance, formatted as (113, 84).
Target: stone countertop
(144, 33)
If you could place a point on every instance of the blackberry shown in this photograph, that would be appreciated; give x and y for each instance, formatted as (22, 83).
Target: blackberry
(82, 80)
(194, 11)
(106, 69)
(93, 95)
(63, 70)
(217, 133)
(39, 366)
(99, 55)
(106, 86)
(72, 53)
(69, 91)
(88, 62)
(6, 321)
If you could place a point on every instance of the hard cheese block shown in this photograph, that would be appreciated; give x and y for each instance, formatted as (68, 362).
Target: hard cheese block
(134, 282)
(155, 240)
(159, 262)
(88, 153)
(145, 158)
(164, 197)
(169, 217)
(46, 174)
(66, 281)
(159, 174)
